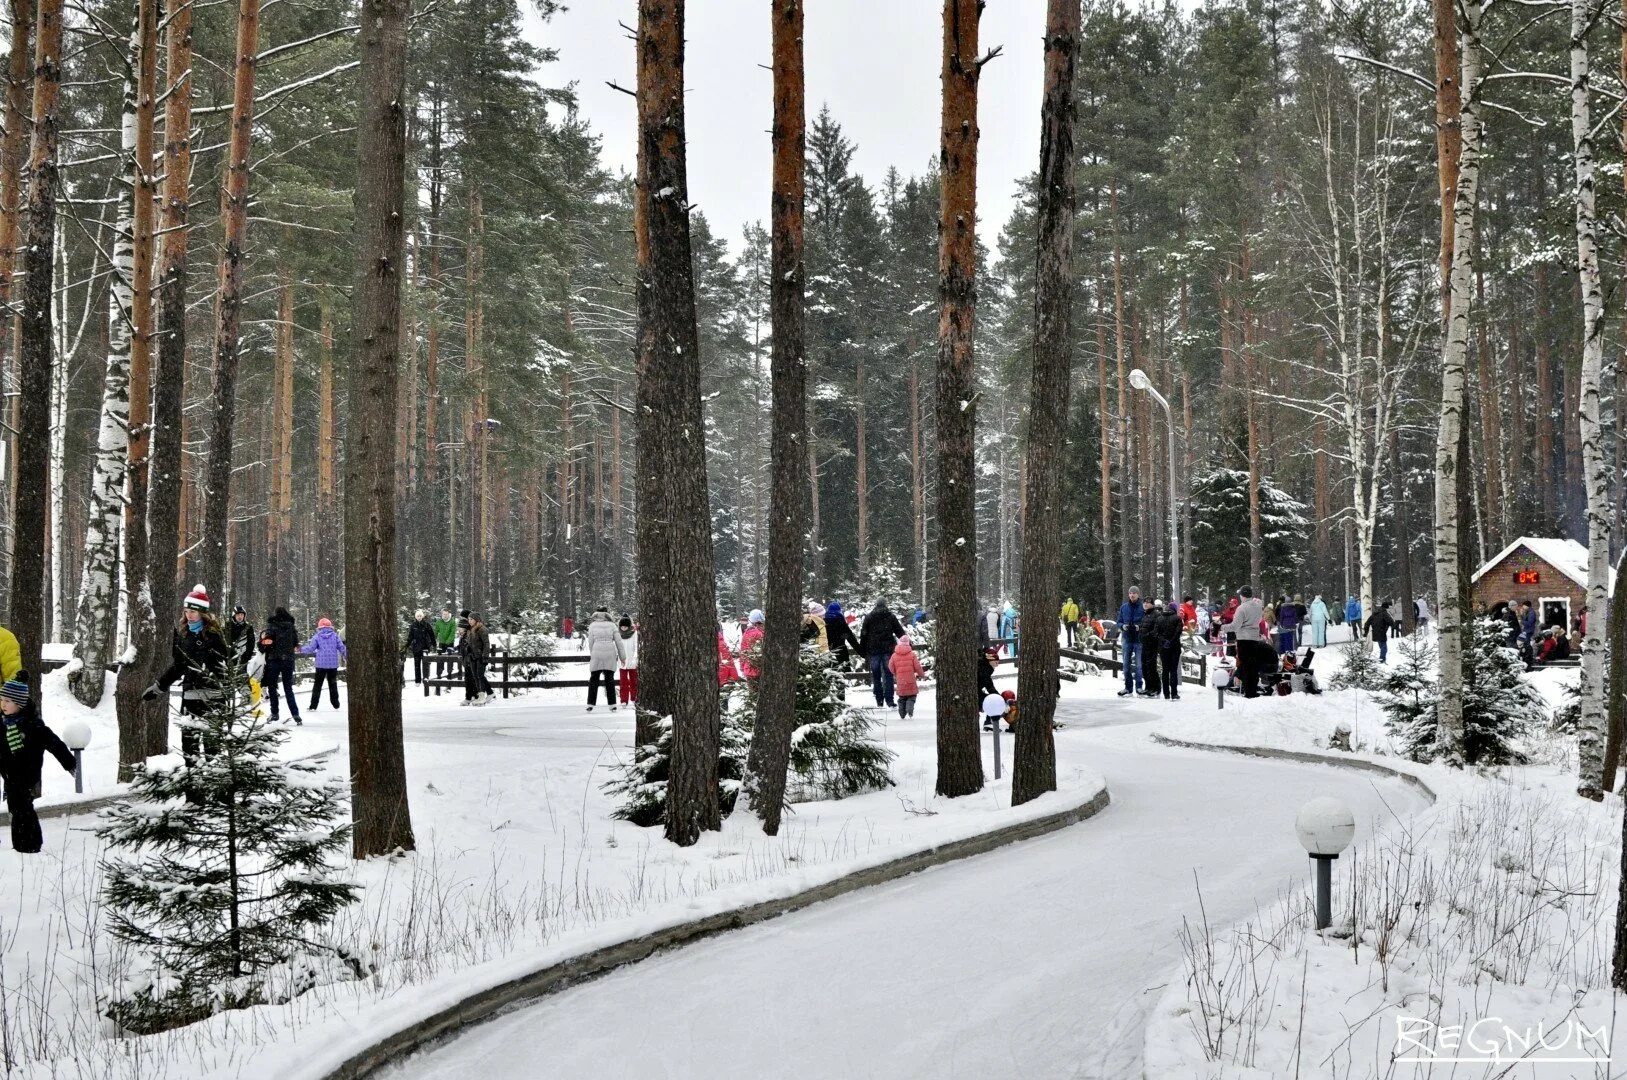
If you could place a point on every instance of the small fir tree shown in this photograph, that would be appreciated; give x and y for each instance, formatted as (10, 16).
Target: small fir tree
(221, 873)
(641, 783)
(1499, 705)
(1361, 670)
(1408, 693)
(833, 753)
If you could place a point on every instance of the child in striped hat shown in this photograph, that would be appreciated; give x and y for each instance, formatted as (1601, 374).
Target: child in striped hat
(23, 743)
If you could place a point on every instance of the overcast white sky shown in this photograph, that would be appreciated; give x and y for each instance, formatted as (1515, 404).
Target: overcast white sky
(874, 62)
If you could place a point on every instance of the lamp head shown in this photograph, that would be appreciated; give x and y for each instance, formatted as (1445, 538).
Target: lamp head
(994, 705)
(76, 735)
(1326, 826)
(1139, 380)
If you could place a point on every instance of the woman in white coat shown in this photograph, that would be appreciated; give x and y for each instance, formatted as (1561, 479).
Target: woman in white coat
(604, 654)
(1319, 623)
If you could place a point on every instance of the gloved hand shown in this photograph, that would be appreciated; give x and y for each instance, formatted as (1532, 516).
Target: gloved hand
(151, 693)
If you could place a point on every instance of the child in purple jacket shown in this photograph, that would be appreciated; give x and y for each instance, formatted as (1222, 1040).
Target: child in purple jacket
(328, 648)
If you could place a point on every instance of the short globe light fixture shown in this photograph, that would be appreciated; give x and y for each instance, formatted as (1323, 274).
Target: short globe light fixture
(1326, 826)
(77, 736)
(994, 707)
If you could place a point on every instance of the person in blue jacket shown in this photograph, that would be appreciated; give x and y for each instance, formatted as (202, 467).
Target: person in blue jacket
(1130, 615)
(1353, 615)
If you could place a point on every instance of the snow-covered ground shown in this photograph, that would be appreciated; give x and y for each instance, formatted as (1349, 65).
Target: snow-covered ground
(1062, 956)
(518, 860)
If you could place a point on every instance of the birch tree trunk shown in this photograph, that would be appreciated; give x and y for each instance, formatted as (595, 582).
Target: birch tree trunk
(156, 452)
(671, 455)
(234, 213)
(1591, 730)
(960, 762)
(1454, 367)
(383, 822)
(1034, 765)
(99, 581)
(35, 348)
(776, 685)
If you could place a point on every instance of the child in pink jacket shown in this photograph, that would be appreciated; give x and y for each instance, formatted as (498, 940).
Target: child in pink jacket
(907, 671)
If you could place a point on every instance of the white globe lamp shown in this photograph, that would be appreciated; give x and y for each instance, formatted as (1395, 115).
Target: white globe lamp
(1326, 826)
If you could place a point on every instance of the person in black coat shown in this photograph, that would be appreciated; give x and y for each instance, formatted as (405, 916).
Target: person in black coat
(1379, 625)
(839, 635)
(199, 655)
(987, 654)
(23, 744)
(280, 643)
(1152, 647)
(1170, 632)
(877, 638)
(420, 640)
(240, 636)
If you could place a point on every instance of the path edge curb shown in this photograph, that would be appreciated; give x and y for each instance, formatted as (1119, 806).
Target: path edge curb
(492, 1001)
(1309, 757)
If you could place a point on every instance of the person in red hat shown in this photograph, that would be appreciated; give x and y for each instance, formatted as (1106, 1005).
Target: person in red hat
(198, 657)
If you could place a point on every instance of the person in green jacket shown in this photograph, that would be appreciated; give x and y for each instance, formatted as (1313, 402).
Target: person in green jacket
(1070, 619)
(446, 631)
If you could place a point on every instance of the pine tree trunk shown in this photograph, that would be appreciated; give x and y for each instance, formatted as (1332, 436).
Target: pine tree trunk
(960, 762)
(13, 152)
(917, 475)
(234, 214)
(1034, 766)
(327, 446)
(1616, 699)
(1403, 533)
(379, 807)
(1491, 435)
(1449, 586)
(1110, 588)
(861, 466)
(93, 625)
(1591, 730)
(776, 685)
(1546, 461)
(35, 348)
(671, 432)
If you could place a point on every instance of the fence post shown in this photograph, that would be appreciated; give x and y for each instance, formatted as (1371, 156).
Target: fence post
(505, 674)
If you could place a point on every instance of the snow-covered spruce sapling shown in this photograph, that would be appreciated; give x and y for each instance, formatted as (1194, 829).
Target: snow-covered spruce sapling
(641, 784)
(222, 873)
(1499, 706)
(1361, 670)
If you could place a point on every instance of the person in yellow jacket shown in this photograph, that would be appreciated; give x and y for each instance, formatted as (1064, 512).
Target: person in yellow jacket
(11, 655)
(1070, 619)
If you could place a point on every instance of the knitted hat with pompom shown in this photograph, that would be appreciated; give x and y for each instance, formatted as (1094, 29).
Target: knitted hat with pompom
(198, 598)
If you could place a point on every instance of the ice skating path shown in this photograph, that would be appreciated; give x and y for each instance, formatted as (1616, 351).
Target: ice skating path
(1039, 960)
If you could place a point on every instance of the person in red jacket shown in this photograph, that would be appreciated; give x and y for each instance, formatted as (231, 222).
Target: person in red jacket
(751, 645)
(906, 667)
(726, 672)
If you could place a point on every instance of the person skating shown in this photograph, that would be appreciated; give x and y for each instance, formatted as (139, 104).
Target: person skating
(604, 656)
(1070, 620)
(240, 636)
(839, 635)
(1131, 612)
(905, 667)
(629, 660)
(474, 645)
(23, 746)
(1379, 625)
(328, 648)
(198, 658)
(278, 644)
(1171, 631)
(1353, 616)
(1245, 625)
(877, 638)
(1319, 623)
(421, 639)
(446, 631)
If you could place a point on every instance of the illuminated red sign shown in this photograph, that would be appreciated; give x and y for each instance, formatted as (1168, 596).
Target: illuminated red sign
(1527, 577)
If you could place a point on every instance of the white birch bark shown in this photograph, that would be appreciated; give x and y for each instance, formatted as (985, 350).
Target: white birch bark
(1595, 470)
(100, 598)
(59, 432)
(1454, 366)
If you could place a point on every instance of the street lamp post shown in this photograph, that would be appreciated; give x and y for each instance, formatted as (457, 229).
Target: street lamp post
(1139, 380)
(1325, 826)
